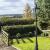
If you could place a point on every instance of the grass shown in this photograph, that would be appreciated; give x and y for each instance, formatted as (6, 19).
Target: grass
(29, 43)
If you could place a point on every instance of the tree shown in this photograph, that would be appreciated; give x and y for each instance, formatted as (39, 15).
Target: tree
(27, 11)
(42, 13)
(47, 5)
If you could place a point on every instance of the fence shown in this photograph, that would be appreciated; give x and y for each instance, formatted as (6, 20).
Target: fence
(5, 37)
(46, 31)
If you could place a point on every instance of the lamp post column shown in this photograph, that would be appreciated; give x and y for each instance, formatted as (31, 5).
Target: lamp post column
(36, 43)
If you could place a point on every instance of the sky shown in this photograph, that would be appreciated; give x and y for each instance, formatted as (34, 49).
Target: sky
(14, 6)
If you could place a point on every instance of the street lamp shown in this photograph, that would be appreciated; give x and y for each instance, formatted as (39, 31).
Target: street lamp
(36, 45)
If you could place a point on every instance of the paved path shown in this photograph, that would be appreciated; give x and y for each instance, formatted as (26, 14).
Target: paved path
(8, 48)
(46, 30)
(4, 47)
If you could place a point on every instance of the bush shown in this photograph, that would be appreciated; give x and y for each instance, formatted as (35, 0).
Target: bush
(23, 30)
(19, 28)
(15, 21)
(44, 25)
(44, 34)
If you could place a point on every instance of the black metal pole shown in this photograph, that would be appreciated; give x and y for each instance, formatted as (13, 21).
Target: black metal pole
(0, 28)
(36, 45)
(8, 40)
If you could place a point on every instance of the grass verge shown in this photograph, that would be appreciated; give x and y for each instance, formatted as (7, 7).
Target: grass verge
(29, 43)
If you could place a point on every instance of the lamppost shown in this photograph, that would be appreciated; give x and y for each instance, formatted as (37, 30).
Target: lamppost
(36, 45)
(8, 40)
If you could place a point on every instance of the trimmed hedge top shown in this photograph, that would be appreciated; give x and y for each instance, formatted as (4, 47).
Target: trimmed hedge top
(21, 29)
(15, 21)
(18, 26)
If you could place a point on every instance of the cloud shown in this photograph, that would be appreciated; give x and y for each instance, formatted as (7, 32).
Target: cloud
(13, 10)
(12, 0)
(1, 0)
(13, 6)
(9, 0)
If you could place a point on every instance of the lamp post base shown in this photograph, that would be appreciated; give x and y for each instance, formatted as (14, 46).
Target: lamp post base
(36, 46)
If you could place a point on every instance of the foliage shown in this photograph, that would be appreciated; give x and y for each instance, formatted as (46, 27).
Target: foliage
(27, 11)
(15, 21)
(44, 34)
(43, 12)
(44, 25)
(44, 6)
(22, 30)
(47, 5)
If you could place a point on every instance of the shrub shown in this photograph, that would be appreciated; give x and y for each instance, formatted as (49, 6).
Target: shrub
(23, 30)
(15, 21)
(44, 34)
(19, 28)
(44, 25)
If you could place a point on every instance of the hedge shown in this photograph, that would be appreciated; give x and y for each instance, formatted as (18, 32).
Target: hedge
(21, 30)
(15, 21)
(6, 28)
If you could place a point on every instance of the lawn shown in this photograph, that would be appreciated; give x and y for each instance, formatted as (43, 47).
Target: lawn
(29, 43)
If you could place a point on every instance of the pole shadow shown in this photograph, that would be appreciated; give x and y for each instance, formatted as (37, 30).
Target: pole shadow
(17, 41)
(23, 40)
(30, 40)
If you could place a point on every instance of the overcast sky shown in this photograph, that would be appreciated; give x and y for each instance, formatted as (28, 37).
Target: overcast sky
(14, 6)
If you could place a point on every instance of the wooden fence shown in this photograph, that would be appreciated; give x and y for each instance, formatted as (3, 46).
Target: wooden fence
(5, 37)
(46, 31)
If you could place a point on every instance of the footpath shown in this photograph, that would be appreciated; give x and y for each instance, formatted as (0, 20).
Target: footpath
(4, 47)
